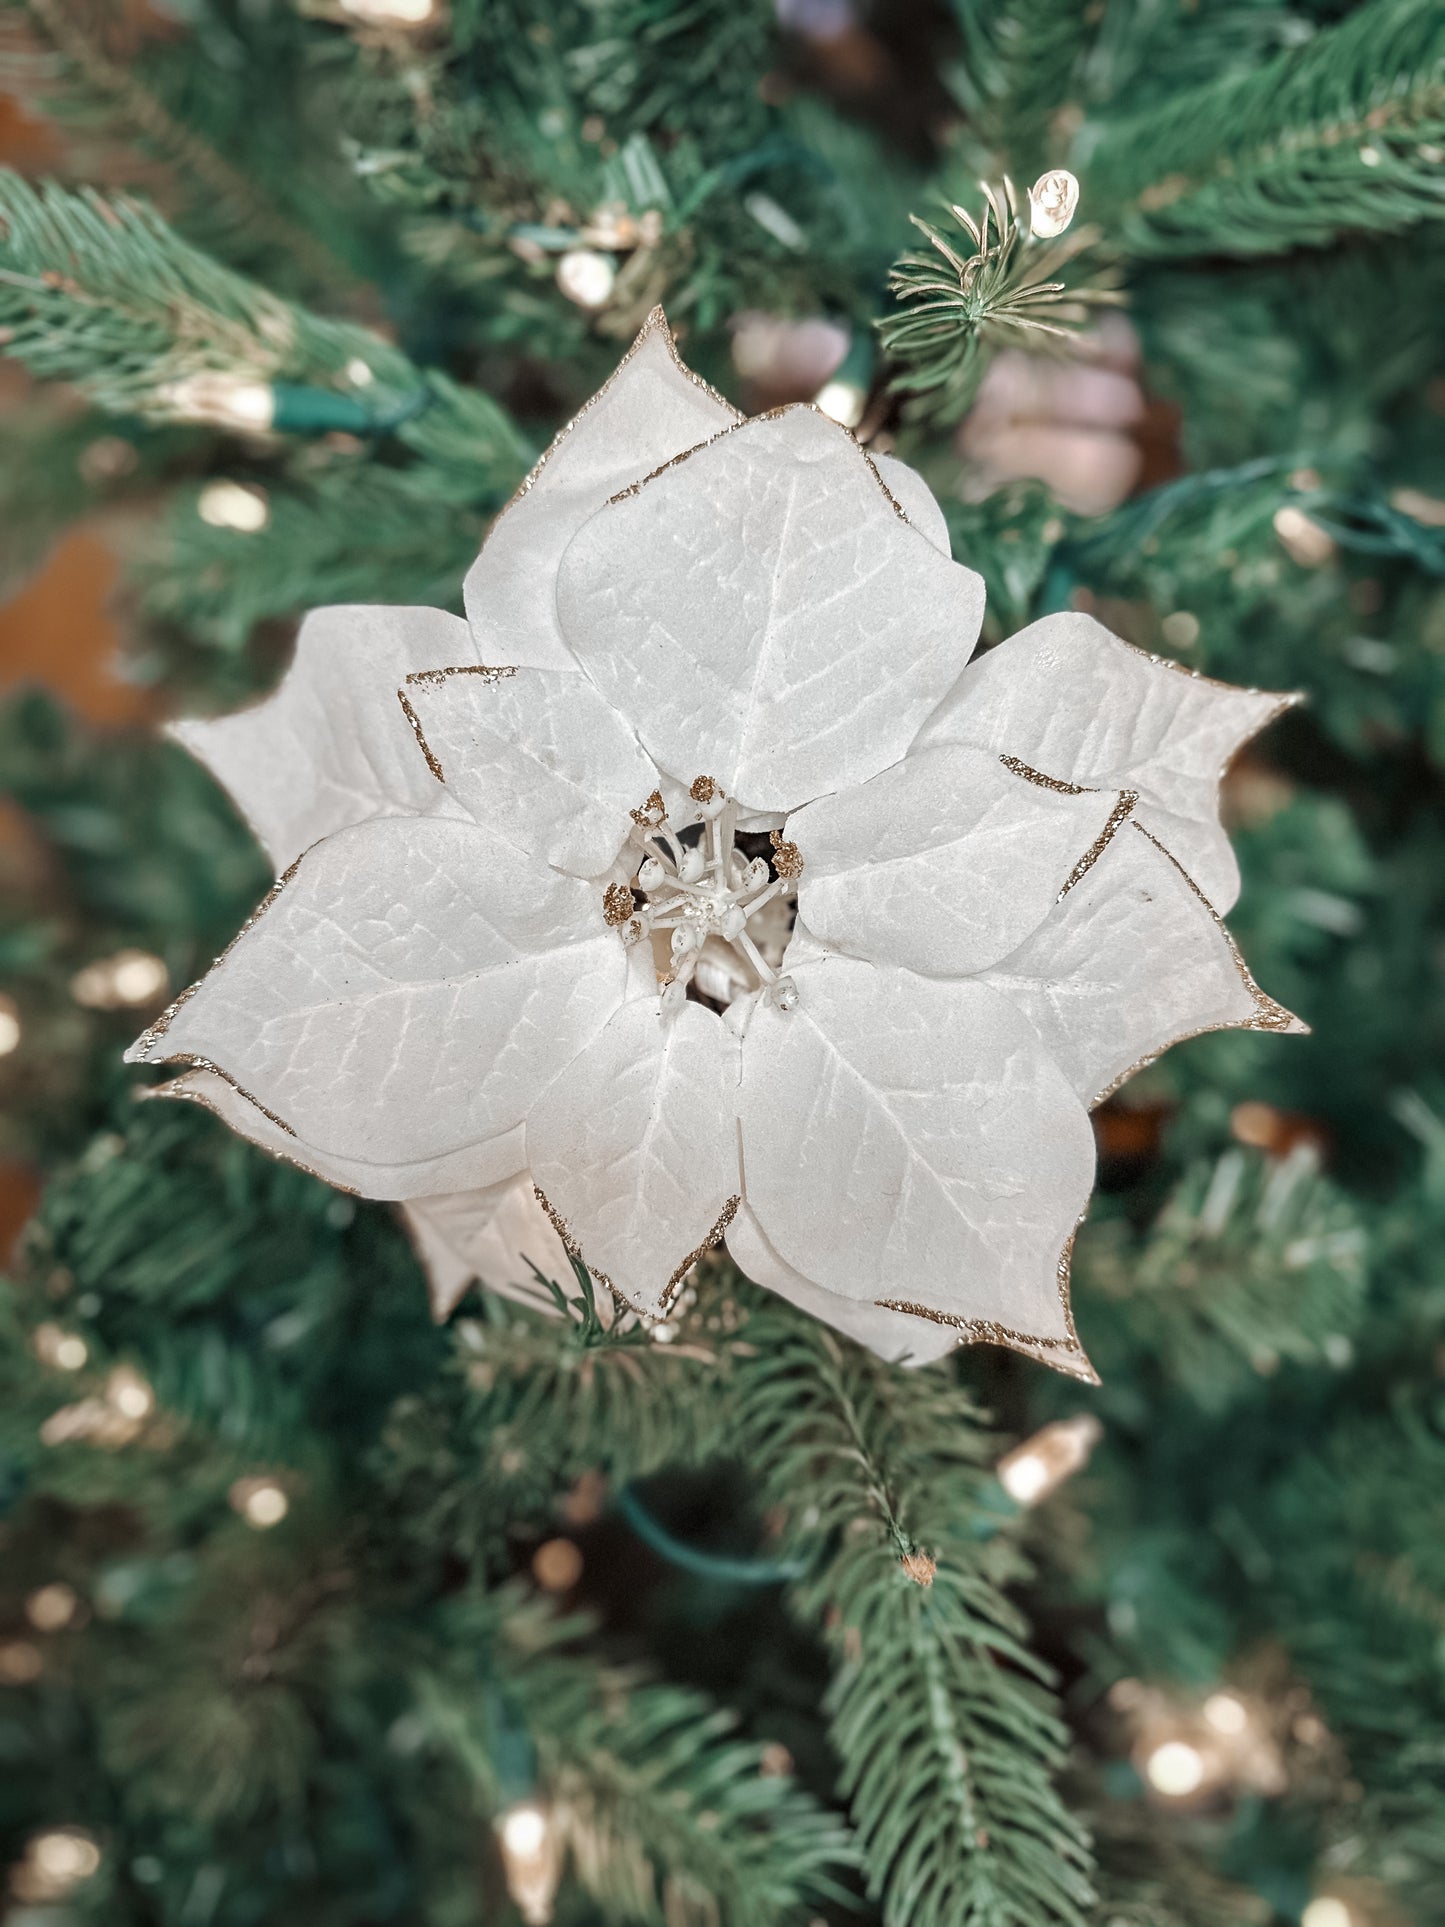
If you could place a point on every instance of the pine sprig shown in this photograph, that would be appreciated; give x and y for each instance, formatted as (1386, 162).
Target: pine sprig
(1344, 134)
(942, 1717)
(967, 293)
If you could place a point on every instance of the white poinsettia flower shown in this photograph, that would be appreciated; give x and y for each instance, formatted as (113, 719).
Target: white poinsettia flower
(696, 887)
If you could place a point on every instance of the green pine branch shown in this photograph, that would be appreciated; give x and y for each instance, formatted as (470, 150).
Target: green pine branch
(992, 282)
(1017, 66)
(1344, 134)
(939, 1712)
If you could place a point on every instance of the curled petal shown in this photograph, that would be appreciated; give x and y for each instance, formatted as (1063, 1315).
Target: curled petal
(765, 615)
(652, 408)
(495, 1235)
(1130, 962)
(404, 992)
(1073, 701)
(895, 1335)
(327, 748)
(896, 1128)
(945, 862)
(537, 756)
(474, 1164)
(634, 1147)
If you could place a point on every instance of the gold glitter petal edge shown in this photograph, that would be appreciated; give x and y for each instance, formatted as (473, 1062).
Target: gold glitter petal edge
(746, 421)
(434, 679)
(1037, 777)
(148, 1039)
(180, 1088)
(669, 1291)
(1268, 1015)
(1065, 1355)
(1118, 817)
(655, 324)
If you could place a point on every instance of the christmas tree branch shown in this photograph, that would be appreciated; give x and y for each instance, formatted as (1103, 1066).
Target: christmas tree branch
(938, 1711)
(1346, 133)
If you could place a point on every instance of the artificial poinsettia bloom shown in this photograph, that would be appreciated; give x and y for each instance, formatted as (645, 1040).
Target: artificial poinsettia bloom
(696, 886)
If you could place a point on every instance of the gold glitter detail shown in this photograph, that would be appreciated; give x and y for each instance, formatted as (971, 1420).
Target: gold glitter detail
(920, 1567)
(768, 415)
(1063, 1354)
(1268, 1015)
(702, 789)
(714, 1237)
(489, 672)
(669, 1291)
(1118, 816)
(787, 857)
(425, 747)
(653, 813)
(656, 323)
(1045, 782)
(434, 679)
(180, 1089)
(150, 1038)
(617, 904)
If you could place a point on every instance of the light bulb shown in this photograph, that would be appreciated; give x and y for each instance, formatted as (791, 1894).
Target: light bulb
(1226, 1713)
(1327, 1910)
(9, 1026)
(230, 505)
(586, 277)
(843, 401)
(390, 13)
(532, 1859)
(1041, 1464)
(1175, 1769)
(229, 401)
(261, 1502)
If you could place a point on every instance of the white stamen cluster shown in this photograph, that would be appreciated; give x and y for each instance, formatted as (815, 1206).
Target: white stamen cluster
(704, 890)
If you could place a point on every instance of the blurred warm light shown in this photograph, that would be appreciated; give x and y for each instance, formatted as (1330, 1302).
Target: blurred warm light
(1041, 1464)
(50, 1609)
(1326, 1910)
(62, 1349)
(128, 1392)
(844, 401)
(1181, 629)
(532, 1858)
(390, 13)
(586, 277)
(121, 982)
(9, 1025)
(231, 505)
(20, 1662)
(55, 1863)
(260, 1501)
(557, 1565)
(228, 401)
(1175, 1769)
(1303, 541)
(1226, 1713)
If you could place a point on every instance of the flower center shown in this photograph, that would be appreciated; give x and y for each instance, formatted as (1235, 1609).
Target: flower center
(718, 919)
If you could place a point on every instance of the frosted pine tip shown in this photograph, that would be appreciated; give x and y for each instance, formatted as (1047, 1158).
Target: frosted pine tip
(617, 904)
(919, 1567)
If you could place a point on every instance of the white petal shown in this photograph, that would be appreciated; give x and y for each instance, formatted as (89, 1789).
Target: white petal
(404, 993)
(1072, 700)
(899, 1128)
(474, 1164)
(331, 746)
(894, 1335)
(764, 615)
(494, 1235)
(945, 862)
(915, 498)
(635, 1146)
(1131, 961)
(651, 409)
(537, 756)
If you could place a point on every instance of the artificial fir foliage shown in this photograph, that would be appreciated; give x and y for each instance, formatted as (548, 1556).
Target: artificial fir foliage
(305, 1596)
